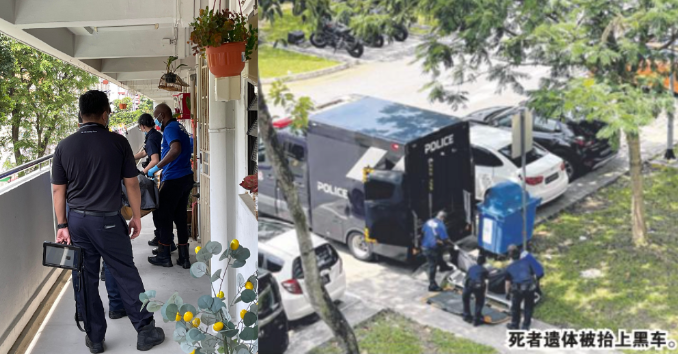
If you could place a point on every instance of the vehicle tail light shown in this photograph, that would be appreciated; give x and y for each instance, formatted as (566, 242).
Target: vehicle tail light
(533, 181)
(282, 122)
(562, 166)
(292, 286)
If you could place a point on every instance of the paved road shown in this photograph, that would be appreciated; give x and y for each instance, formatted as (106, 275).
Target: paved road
(386, 284)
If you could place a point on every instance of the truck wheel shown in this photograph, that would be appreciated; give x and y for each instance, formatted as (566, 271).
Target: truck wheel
(360, 248)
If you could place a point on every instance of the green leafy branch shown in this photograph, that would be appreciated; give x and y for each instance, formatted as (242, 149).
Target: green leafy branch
(210, 329)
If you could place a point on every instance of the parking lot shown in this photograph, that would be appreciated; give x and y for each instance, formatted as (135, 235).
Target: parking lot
(387, 284)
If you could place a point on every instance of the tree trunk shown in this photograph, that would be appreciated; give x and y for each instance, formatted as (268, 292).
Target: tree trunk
(637, 200)
(320, 299)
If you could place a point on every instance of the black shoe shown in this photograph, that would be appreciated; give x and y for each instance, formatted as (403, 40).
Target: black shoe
(149, 336)
(434, 287)
(114, 315)
(468, 319)
(525, 328)
(154, 241)
(477, 323)
(172, 249)
(184, 258)
(511, 326)
(94, 347)
(163, 258)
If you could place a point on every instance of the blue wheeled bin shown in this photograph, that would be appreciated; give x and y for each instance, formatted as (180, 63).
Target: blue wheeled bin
(501, 218)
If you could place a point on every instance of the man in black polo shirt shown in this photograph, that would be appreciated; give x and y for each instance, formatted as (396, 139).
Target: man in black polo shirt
(86, 172)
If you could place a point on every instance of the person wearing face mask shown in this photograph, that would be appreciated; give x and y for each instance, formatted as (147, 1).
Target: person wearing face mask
(175, 188)
(151, 151)
(87, 169)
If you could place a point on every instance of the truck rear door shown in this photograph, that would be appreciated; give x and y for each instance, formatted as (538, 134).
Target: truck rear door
(387, 213)
(441, 177)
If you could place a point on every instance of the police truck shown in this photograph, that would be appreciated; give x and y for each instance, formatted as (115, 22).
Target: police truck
(370, 172)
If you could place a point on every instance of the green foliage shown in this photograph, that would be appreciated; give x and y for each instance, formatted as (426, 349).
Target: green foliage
(594, 49)
(213, 28)
(38, 104)
(634, 289)
(388, 332)
(127, 116)
(299, 109)
(172, 68)
(238, 337)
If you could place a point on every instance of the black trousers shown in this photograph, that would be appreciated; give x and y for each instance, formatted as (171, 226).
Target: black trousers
(479, 295)
(107, 237)
(517, 298)
(432, 258)
(174, 195)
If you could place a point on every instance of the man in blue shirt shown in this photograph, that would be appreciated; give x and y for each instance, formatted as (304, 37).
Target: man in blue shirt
(521, 284)
(435, 234)
(538, 268)
(475, 284)
(177, 182)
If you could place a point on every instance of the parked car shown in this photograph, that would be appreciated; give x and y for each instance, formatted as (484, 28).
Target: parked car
(273, 324)
(572, 140)
(280, 255)
(491, 147)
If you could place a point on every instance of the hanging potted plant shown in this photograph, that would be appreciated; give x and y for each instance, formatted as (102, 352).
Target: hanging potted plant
(225, 38)
(122, 105)
(170, 75)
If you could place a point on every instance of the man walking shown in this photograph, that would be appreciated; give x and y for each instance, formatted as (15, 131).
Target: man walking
(177, 182)
(521, 284)
(86, 173)
(435, 234)
(475, 284)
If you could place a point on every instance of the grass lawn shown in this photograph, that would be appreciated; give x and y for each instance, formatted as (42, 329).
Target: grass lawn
(637, 287)
(391, 333)
(275, 62)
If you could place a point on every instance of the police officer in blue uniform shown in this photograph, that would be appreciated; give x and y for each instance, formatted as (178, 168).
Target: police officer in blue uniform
(177, 182)
(435, 236)
(537, 267)
(86, 173)
(521, 284)
(475, 284)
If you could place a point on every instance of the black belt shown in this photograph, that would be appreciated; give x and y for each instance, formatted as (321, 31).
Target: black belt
(95, 213)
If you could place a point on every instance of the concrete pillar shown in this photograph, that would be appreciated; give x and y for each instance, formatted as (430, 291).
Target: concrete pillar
(222, 180)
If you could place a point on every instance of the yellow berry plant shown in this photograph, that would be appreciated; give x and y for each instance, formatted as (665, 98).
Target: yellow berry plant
(210, 329)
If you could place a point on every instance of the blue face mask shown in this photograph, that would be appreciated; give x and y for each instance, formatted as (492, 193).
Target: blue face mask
(157, 122)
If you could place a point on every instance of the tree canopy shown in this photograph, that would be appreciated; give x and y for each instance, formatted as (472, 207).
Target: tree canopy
(127, 116)
(38, 105)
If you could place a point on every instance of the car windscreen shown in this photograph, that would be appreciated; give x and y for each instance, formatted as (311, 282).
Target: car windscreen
(531, 156)
(271, 229)
(326, 256)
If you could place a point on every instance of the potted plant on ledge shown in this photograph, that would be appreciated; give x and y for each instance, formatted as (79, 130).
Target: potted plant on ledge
(225, 38)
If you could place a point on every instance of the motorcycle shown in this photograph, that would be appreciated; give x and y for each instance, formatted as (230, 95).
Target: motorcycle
(400, 34)
(338, 36)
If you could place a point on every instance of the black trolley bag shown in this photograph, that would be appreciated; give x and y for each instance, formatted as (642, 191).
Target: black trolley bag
(61, 255)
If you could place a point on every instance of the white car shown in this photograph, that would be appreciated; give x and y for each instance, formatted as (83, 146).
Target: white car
(546, 175)
(280, 256)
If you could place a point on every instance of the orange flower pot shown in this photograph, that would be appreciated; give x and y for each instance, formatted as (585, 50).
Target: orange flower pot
(226, 60)
(122, 105)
